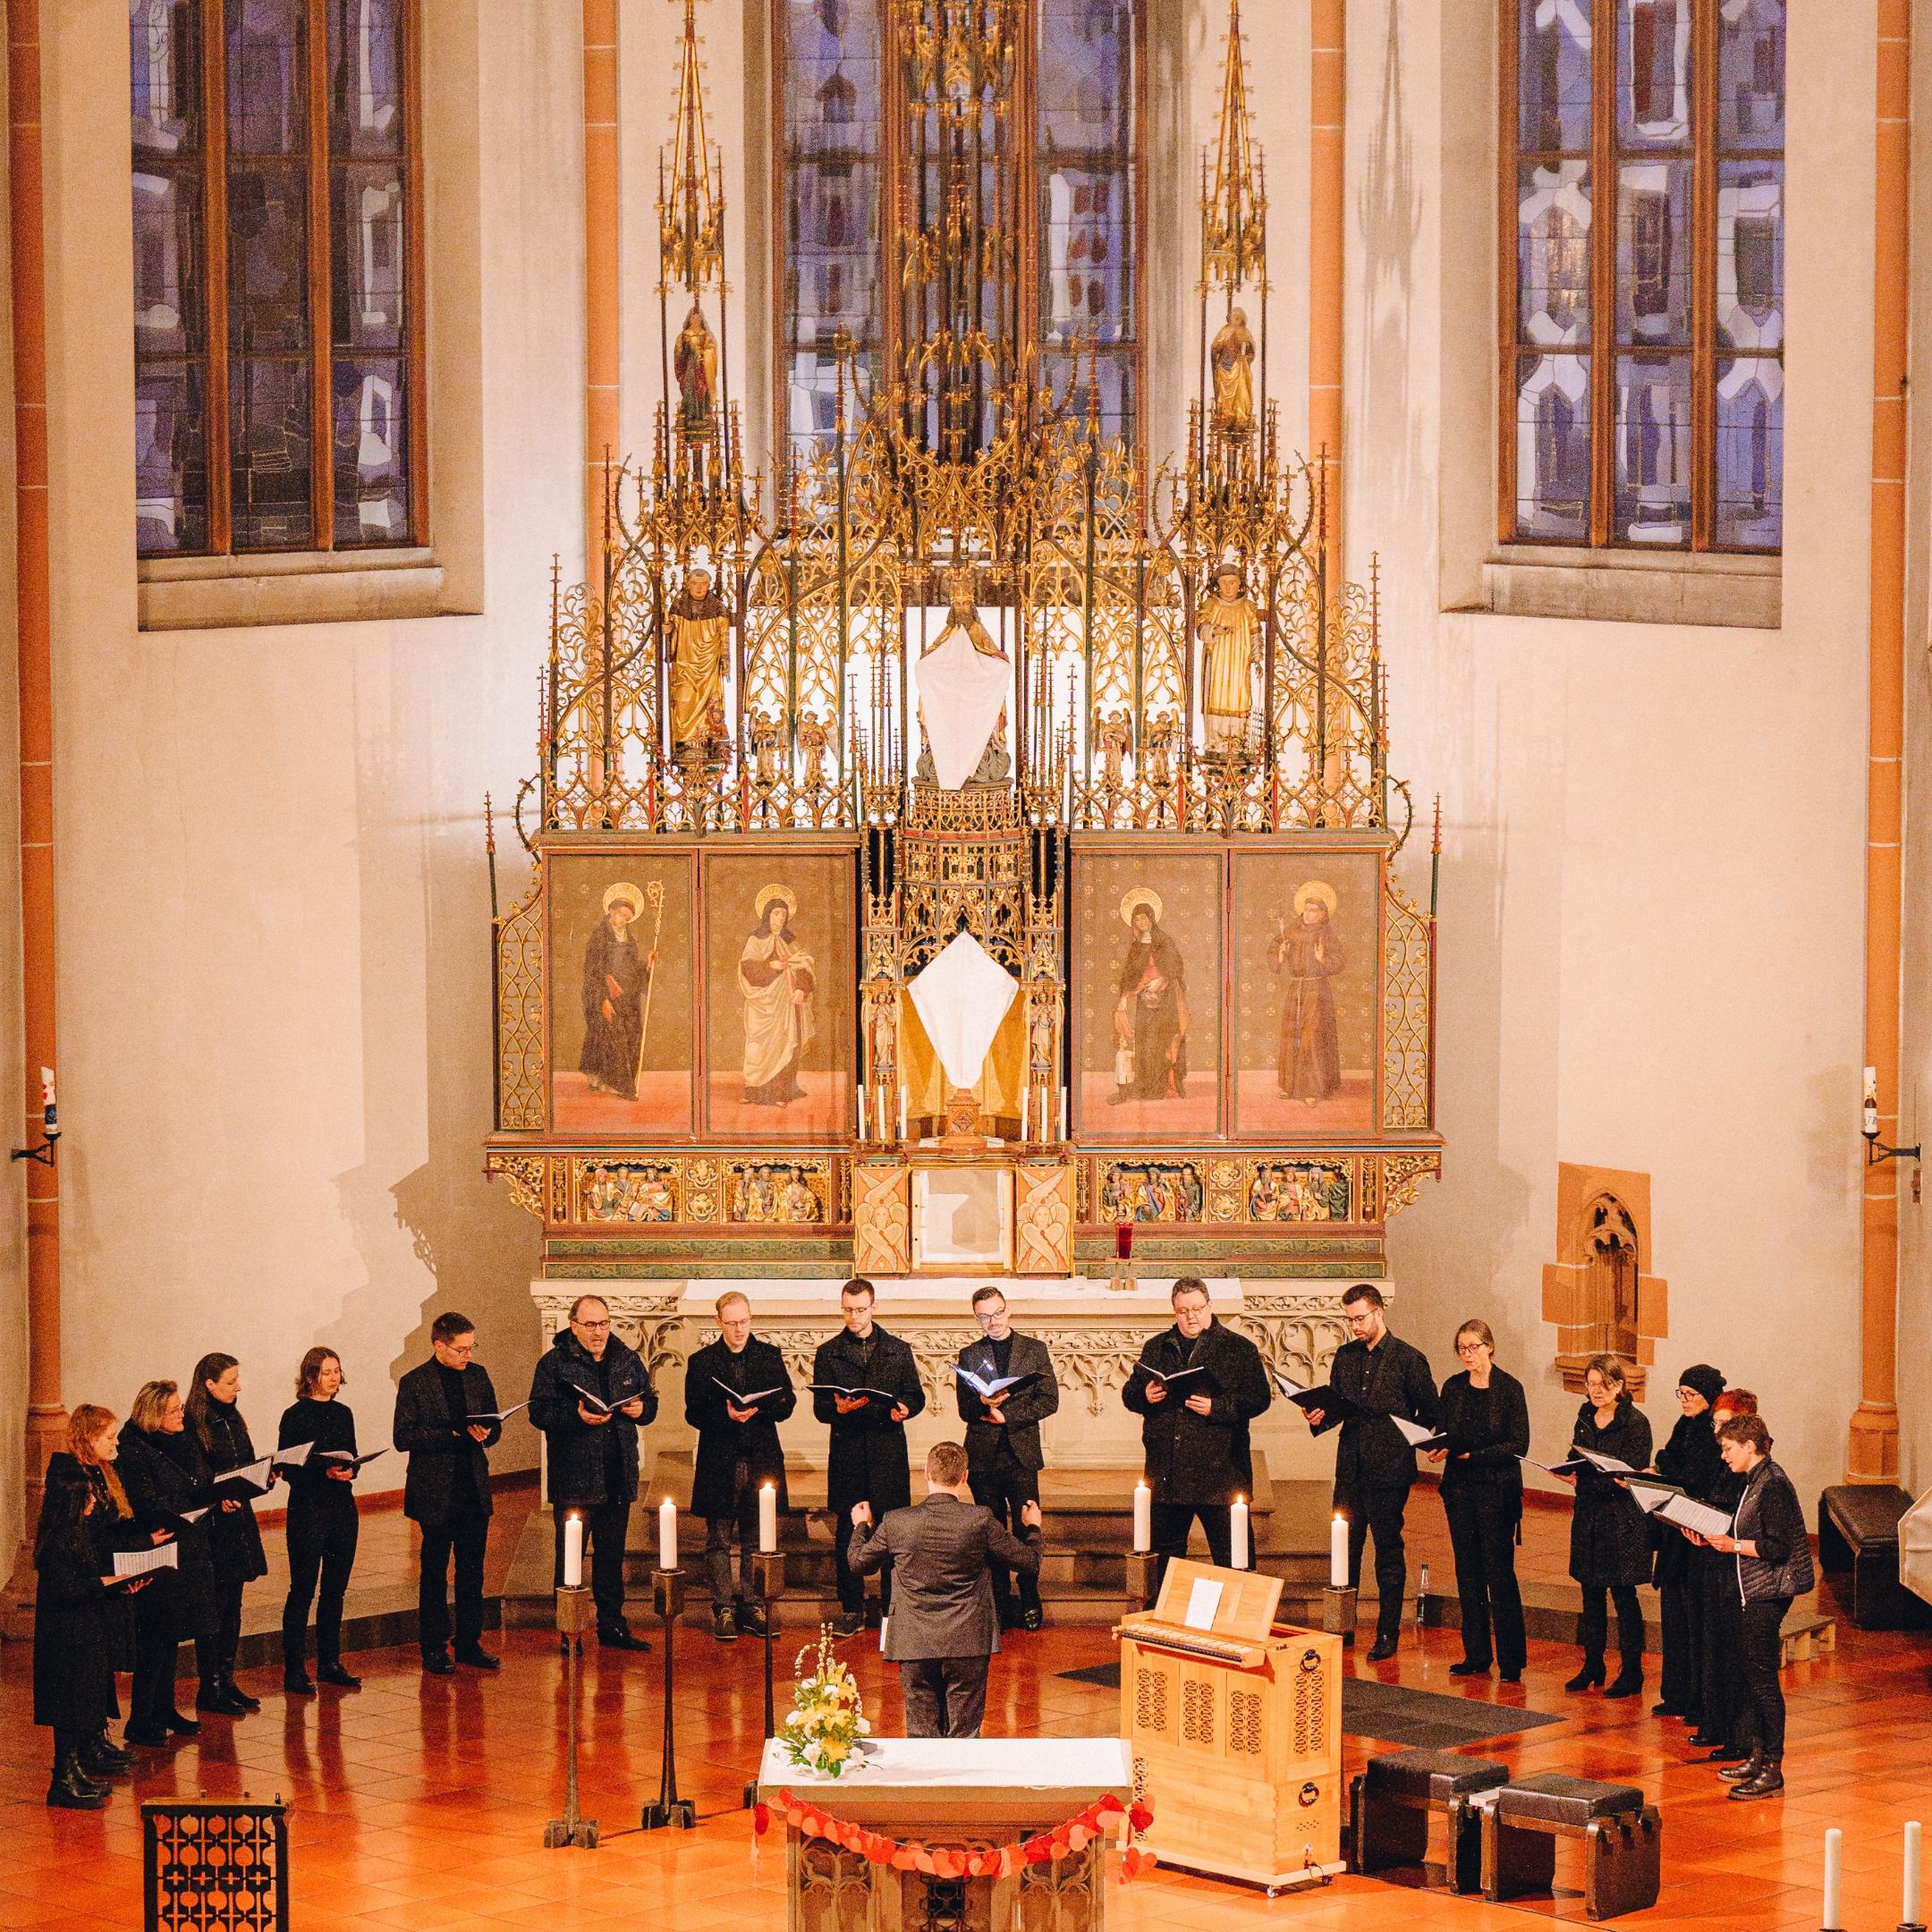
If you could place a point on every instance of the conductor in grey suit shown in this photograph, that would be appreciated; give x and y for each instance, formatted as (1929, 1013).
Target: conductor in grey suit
(943, 1627)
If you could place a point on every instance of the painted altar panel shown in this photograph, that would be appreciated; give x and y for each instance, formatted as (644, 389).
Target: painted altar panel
(1306, 952)
(1146, 988)
(781, 961)
(621, 1030)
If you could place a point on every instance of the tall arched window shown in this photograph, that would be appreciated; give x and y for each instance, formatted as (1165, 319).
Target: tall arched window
(843, 163)
(1643, 146)
(277, 305)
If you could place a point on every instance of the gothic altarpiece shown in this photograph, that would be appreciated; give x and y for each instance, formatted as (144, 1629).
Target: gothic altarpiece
(978, 861)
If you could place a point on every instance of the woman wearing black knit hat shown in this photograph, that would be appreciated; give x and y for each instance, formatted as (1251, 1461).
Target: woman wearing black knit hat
(1690, 1458)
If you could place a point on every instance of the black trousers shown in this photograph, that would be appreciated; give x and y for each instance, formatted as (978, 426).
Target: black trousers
(719, 1530)
(1006, 1488)
(321, 1553)
(1680, 1608)
(850, 1584)
(465, 1536)
(1482, 1532)
(156, 1646)
(1764, 1696)
(606, 1527)
(1170, 1523)
(214, 1656)
(1724, 1704)
(1593, 1627)
(944, 1697)
(1378, 1512)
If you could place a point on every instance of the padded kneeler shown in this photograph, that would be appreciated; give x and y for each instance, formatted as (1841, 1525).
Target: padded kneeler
(1390, 1802)
(1623, 1839)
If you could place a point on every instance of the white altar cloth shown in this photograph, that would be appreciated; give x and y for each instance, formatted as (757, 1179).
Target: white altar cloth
(939, 1784)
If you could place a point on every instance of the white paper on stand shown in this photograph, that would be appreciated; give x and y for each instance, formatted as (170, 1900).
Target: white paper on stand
(1203, 1600)
(960, 998)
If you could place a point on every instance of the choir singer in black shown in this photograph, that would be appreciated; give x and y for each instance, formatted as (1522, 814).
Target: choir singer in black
(1375, 1465)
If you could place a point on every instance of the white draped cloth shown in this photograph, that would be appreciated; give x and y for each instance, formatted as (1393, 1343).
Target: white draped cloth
(962, 690)
(960, 998)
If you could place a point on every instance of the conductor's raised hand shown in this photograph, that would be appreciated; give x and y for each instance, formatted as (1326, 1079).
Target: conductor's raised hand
(1029, 1515)
(861, 1515)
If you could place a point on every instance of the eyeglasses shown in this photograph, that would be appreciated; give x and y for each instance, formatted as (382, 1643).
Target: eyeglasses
(1470, 1348)
(985, 1320)
(591, 1325)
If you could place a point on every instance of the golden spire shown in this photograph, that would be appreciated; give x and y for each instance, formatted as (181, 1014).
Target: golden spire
(1234, 202)
(690, 200)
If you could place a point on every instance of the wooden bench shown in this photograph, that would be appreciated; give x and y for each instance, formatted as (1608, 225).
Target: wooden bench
(1858, 1531)
(1623, 1841)
(1391, 1800)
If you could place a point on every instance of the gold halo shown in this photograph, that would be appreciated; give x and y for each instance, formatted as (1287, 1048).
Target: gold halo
(1315, 889)
(629, 894)
(1140, 895)
(776, 891)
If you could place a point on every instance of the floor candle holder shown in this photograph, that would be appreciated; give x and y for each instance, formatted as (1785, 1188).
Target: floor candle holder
(768, 1567)
(1142, 1567)
(1338, 1611)
(575, 1614)
(667, 1598)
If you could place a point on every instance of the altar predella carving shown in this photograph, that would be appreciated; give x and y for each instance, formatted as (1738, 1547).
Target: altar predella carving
(965, 670)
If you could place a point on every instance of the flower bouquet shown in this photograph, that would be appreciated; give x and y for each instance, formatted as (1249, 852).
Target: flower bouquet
(822, 1730)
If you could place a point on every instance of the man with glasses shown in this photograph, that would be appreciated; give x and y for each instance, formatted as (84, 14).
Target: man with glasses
(589, 1396)
(1002, 1440)
(1382, 1376)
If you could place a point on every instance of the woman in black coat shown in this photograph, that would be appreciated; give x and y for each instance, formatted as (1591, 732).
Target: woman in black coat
(84, 1518)
(1691, 1461)
(168, 1480)
(1486, 1416)
(235, 1539)
(322, 1523)
(1609, 1536)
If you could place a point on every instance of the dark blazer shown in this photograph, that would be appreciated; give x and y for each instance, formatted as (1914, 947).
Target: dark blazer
(1024, 1408)
(1488, 1431)
(439, 1446)
(77, 1625)
(582, 1468)
(867, 1461)
(723, 1444)
(941, 1602)
(164, 1477)
(1390, 1378)
(234, 1536)
(1690, 1460)
(1200, 1458)
(1609, 1535)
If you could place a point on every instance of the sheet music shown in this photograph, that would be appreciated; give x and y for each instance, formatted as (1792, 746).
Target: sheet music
(1699, 1516)
(1203, 1601)
(1608, 1464)
(140, 1561)
(293, 1456)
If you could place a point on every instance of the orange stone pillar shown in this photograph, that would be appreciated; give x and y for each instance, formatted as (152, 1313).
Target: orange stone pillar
(1873, 1455)
(600, 262)
(1327, 211)
(46, 1419)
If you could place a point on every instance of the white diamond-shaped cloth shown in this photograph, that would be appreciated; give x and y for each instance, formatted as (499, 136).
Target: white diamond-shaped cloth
(960, 998)
(961, 692)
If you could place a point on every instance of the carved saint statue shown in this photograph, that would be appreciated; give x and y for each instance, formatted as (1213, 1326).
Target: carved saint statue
(1229, 635)
(1232, 358)
(700, 642)
(694, 364)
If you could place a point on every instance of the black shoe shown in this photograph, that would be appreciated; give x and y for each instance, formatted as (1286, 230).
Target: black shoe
(437, 1663)
(240, 1696)
(1767, 1783)
(723, 1624)
(1725, 1754)
(1629, 1682)
(848, 1623)
(1467, 1667)
(1667, 1709)
(1509, 1676)
(298, 1683)
(1742, 1774)
(224, 1703)
(1587, 1678)
(1382, 1650)
(751, 1620)
(71, 1790)
(333, 1673)
(1702, 1740)
(620, 1637)
(182, 1726)
(101, 1758)
(477, 1657)
(155, 1739)
(1030, 1618)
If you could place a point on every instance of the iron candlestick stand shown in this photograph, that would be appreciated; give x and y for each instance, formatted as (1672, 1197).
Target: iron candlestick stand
(668, 1598)
(768, 1567)
(575, 1614)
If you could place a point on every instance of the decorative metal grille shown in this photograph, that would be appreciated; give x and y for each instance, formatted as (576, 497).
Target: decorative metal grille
(214, 1867)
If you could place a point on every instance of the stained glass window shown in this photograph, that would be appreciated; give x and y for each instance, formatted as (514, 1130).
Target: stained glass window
(278, 379)
(1645, 302)
(847, 157)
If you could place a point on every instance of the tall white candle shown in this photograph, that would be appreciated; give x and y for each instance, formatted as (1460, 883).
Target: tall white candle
(1338, 1554)
(768, 1520)
(862, 1113)
(1912, 1856)
(902, 1113)
(1143, 1519)
(573, 1552)
(1238, 1534)
(1833, 1860)
(1026, 1110)
(667, 1534)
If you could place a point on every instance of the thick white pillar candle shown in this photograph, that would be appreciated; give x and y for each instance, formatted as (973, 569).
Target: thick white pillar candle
(1338, 1554)
(1143, 1519)
(1834, 1858)
(1238, 1534)
(768, 1520)
(667, 1534)
(902, 1113)
(1912, 1855)
(573, 1552)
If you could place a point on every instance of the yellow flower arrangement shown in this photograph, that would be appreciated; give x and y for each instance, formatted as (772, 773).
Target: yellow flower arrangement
(822, 1730)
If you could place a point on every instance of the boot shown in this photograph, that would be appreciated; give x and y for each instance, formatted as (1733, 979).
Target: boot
(235, 1693)
(1767, 1783)
(296, 1682)
(69, 1789)
(1629, 1680)
(1742, 1774)
(178, 1725)
(101, 1758)
(214, 1695)
(1588, 1677)
(330, 1671)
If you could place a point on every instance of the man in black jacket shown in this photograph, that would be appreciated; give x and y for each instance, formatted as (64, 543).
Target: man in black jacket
(738, 1453)
(868, 1462)
(592, 1448)
(1002, 1444)
(1383, 1375)
(447, 1489)
(1195, 1432)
